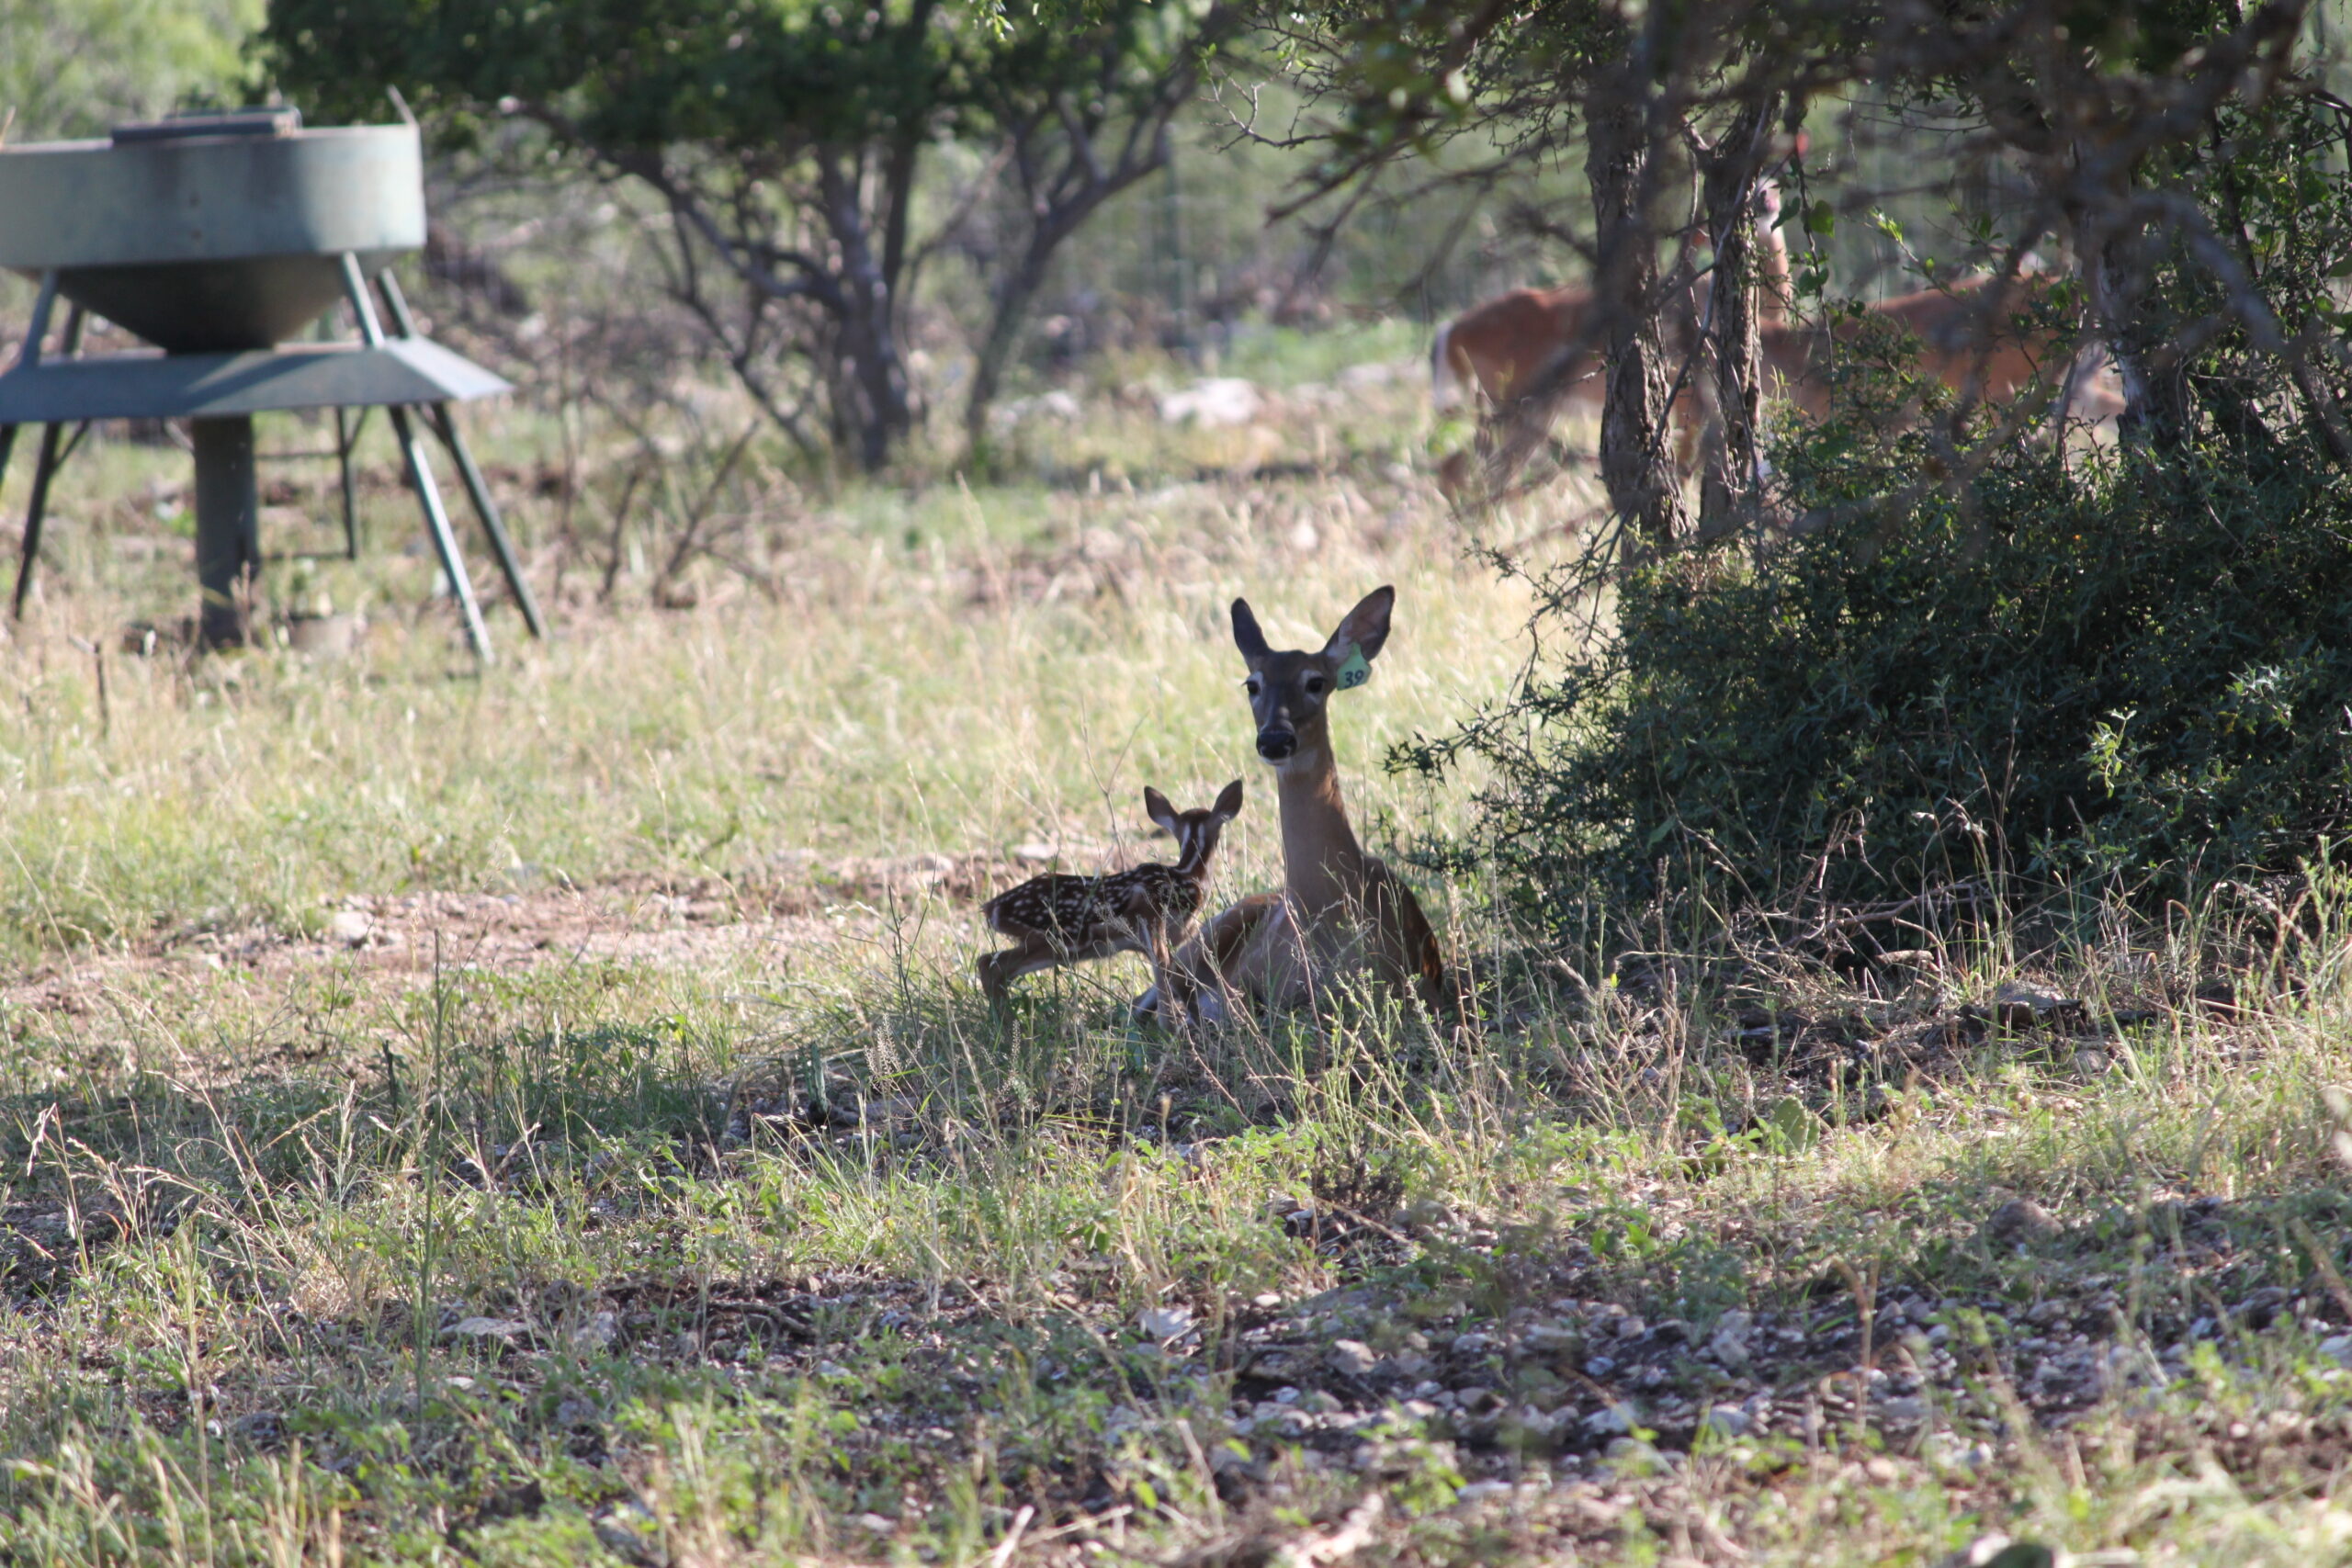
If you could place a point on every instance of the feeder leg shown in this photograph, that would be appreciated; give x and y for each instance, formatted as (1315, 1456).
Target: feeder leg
(44, 469)
(420, 473)
(28, 353)
(445, 424)
(228, 527)
(445, 538)
(346, 436)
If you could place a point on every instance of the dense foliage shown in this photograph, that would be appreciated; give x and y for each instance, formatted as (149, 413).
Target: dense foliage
(1969, 655)
(2141, 672)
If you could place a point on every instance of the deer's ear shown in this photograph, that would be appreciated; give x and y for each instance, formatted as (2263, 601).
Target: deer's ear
(1156, 807)
(1246, 634)
(1366, 627)
(1228, 801)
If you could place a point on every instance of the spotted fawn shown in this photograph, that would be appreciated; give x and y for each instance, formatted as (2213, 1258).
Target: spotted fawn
(1060, 919)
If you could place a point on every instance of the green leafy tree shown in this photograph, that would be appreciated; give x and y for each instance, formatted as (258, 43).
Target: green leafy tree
(73, 67)
(787, 138)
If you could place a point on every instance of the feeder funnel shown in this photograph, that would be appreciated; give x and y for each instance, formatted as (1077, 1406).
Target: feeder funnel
(211, 233)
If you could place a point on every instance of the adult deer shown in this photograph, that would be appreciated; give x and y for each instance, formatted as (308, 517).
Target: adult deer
(1970, 338)
(1491, 354)
(1338, 909)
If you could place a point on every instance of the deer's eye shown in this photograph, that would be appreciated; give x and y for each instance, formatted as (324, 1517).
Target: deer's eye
(1315, 685)
(1250, 686)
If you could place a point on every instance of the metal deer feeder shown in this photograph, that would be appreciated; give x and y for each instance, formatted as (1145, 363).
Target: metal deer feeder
(218, 239)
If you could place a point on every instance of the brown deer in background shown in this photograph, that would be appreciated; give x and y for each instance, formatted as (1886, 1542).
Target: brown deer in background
(1491, 354)
(1968, 331)
(1970, 339)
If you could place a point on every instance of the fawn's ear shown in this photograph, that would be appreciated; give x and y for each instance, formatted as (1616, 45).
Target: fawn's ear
(1361, 636)
(1228, 801)
(1156, 807)
(1246, 634)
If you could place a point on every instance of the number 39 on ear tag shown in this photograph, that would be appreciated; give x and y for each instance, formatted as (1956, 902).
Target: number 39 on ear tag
(1355, 670)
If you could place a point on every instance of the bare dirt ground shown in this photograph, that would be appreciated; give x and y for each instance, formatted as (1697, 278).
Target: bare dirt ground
(798, 908)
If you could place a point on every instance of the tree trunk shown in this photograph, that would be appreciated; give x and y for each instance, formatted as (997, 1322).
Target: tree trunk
(1060, 204)
(882, 405)
(2155, 395)
(1010, 310)
(1635, 464)
(1009, 306)
(1729, 483)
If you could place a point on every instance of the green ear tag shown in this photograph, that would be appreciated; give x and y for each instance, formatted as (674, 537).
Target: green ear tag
(1355, 670)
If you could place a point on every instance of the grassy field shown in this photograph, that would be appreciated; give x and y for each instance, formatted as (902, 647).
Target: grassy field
(543, 1115)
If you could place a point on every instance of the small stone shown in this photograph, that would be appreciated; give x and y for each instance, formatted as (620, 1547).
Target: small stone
(1543, 1336)
(2338, 1348)
(1615, 1421)
(2020, 1220)
(1903, 1409)
(1728, 1345)
(1477, 1491)
(1473, 1344)
(351, 928)
(1165, 1324)
(1999, 1551)
(2260, 1308)
(1728, 1421)
(1599, 1367)
(485, 1328)
(1224, 1460)
(1353, 1356)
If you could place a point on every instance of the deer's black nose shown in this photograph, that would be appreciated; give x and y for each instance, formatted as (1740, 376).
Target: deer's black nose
(1276, 744)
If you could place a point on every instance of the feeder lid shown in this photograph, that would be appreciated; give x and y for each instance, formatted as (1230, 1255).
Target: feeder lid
(264, 120)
